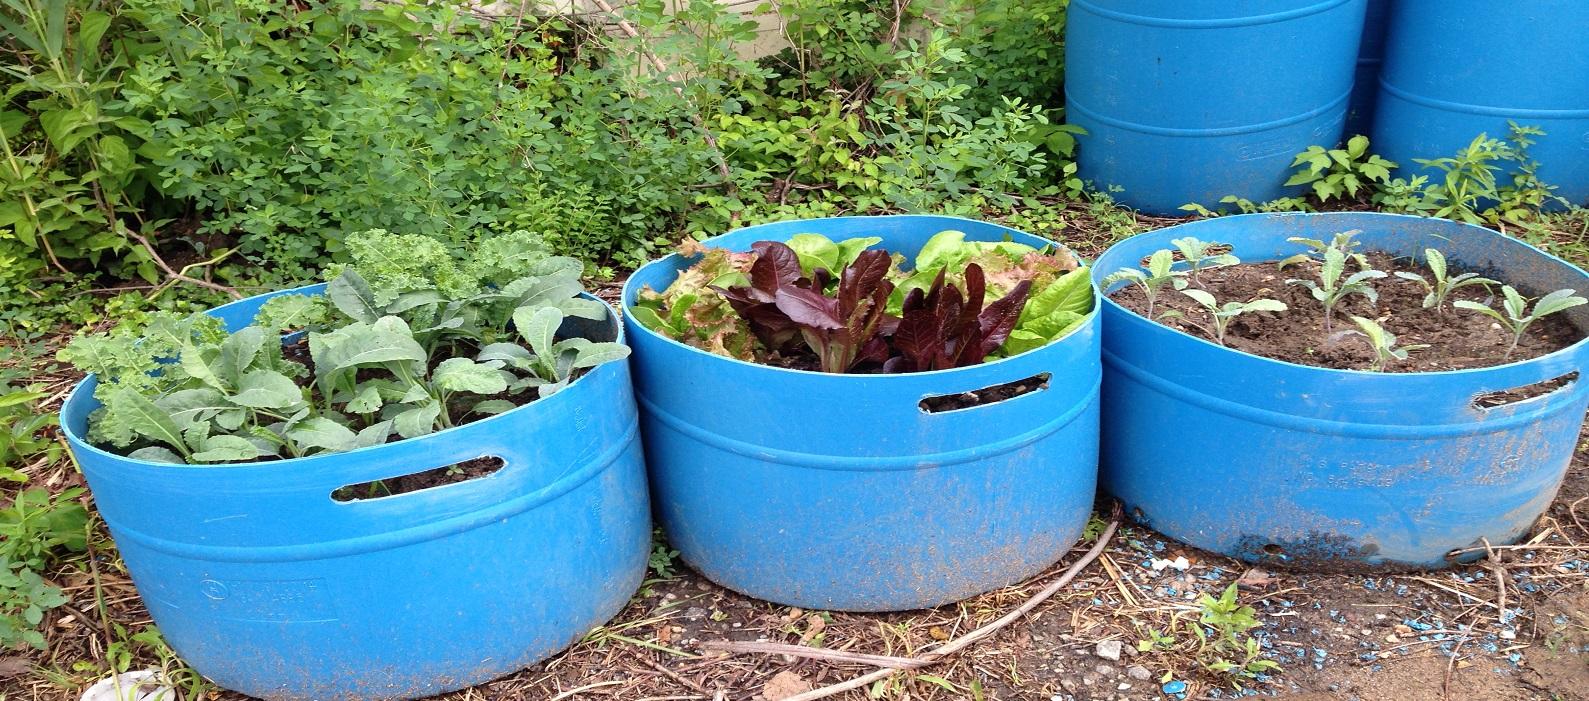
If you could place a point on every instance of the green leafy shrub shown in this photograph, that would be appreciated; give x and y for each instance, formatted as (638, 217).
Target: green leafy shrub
(1470, 187)
(294, 126)
(1340, 173)
(71, 177)
(36, 527)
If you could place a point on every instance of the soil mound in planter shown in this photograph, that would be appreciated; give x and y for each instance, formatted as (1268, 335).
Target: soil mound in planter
(1458, 339)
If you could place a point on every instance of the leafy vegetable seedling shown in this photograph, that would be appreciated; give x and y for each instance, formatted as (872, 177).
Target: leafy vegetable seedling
(1515, 305)
(1383, 343)
(1200, 255)
(1223, 314)
(1442, 286)
(1160, 271)
(1330, 289)
(1344, 242)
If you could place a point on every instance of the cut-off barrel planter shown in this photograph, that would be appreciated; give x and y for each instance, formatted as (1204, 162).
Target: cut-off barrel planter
(268, 586)
(1370, 54)
(1278, 463)
(1528, 63)
(840, 492)
(1192, 100)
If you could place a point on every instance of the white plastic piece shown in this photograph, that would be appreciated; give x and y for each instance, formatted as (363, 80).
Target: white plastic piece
(1178, 563)
(142, 685)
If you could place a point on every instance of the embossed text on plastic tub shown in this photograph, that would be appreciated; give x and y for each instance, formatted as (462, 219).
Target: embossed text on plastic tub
(268, 586)
(1275, 462)
(1193, 100)
(840, 492)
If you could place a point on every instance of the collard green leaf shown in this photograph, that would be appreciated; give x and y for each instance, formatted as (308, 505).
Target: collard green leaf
(267, 389)
(375, 434)
(141, 416)
(418, 421)
(323, 433)
(465, 375)
(387, 340)
(598, 353)
(239, 351)
(226, 448)
(200, 363)
(538, 327)
(512, 354)
(351, 295)
(494, 406)
(366, 399)
(157, 453)
(583, 308)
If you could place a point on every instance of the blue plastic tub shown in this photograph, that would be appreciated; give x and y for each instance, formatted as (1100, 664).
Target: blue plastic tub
(268, 586)
(1279, 463)
(838, 491)
(1531, 66)
(1193, 100)
(1370, 55)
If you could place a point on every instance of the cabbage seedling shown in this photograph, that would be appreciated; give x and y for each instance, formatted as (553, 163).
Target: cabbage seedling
(1442, 286)
(1515, 305)
(1223, 314)
(1383, 343)
(1200, 256)
(1160, 271)
(1330, 289)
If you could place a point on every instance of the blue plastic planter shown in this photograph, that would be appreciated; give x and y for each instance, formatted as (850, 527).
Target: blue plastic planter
(1193, 100)
(269, 587)
(838, 491)
(1309, 467)
(1531, 67)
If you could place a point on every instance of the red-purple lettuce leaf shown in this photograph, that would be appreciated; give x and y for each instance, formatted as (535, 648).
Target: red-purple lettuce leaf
(941, 329)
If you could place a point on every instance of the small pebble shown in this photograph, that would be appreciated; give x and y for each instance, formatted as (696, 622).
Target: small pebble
(1139, 673)
(1108, 649)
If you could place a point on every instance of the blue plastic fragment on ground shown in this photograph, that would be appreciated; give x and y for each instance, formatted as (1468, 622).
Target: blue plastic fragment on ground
(1175, 687)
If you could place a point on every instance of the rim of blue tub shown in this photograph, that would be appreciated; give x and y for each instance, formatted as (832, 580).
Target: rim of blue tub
(793, 227)
(83, 392)
(1552, 358)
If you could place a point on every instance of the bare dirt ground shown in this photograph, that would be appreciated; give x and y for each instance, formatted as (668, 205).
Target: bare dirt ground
(1457, 634)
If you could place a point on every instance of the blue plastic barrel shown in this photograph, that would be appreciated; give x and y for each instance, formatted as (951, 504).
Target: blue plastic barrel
(1370, 54)
(840, 492)
(1193, 100)
(269, 587)
(1279, 463)
(1531, 67)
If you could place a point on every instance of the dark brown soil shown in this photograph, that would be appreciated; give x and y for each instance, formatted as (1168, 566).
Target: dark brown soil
(446, 474)
(986, 395)
(1457, 339)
